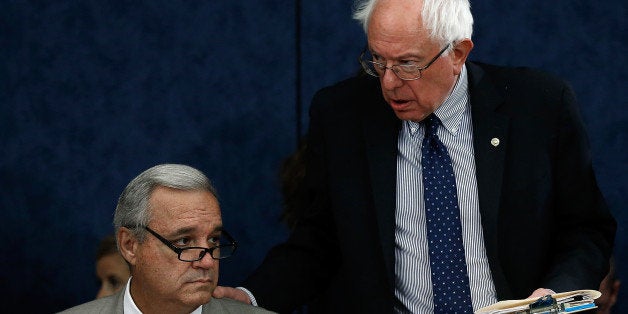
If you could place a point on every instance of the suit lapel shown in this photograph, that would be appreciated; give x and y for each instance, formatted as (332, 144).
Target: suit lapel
(490, 139)
(381, 130)
(119, 301)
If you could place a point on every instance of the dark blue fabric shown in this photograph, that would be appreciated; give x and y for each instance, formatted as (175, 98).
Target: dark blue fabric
(450, 280)
(93, 92)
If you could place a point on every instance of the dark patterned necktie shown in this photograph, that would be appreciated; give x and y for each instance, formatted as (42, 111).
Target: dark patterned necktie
(450, 281)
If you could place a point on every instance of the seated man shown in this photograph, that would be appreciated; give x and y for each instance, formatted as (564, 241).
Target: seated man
(169, 229)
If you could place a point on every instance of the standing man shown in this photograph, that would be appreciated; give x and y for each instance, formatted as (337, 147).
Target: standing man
(169, 229)
(438, 185)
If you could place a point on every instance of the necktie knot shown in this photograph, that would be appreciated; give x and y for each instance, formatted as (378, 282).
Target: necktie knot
(431, 125)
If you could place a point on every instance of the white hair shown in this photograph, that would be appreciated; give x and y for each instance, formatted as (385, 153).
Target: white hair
(447, 20)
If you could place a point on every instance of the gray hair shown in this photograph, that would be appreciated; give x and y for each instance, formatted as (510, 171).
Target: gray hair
(133, 209)
(447, 20)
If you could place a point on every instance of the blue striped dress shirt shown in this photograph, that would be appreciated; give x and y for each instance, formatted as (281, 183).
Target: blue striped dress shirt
(413, 284)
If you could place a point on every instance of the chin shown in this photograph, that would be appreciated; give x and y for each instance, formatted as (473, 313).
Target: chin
(198, 298)
(200, 290)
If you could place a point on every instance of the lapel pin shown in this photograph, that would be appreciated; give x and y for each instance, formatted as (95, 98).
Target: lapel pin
(495, 141)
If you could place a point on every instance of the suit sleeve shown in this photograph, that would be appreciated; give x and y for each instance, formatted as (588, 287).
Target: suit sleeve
(293, 272)
(585, 231)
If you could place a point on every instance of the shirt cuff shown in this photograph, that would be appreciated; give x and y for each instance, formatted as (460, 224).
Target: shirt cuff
(253, 301)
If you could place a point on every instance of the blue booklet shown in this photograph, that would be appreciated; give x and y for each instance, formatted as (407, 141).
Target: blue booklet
(564, 302)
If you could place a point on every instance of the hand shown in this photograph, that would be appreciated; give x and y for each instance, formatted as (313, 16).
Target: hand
(541, 292)
(231, 293)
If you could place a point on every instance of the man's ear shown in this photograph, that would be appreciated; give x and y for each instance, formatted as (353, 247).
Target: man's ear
(460, 53)
(128, 245)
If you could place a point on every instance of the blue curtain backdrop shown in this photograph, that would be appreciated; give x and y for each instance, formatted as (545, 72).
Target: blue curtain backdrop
(94, 92)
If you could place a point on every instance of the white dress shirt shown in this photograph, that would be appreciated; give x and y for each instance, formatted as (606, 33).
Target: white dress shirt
(131, 308)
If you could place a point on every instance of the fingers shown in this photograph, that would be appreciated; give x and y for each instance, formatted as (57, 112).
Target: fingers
(541, 292)
(219, 292)
(231, 293)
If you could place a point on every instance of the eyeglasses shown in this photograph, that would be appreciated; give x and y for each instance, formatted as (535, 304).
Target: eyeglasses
(406, 72)
(193, 254)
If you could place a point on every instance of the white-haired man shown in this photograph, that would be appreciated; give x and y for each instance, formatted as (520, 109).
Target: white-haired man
(438, 185)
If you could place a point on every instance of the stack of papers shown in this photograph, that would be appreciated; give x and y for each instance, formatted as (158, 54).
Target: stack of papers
(564, 302)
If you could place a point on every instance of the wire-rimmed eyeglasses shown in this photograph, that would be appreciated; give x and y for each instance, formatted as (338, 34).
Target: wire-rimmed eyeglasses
(406, 72)
(225, 248)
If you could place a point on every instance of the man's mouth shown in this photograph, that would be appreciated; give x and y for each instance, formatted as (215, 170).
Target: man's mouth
(202, 280)
(397, 103)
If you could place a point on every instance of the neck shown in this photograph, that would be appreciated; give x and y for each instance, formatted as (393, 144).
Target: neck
(147, 303)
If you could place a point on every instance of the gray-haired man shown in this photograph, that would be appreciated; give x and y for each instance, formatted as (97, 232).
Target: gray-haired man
(169, 229)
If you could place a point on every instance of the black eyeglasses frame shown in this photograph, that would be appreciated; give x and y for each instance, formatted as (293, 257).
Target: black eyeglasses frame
(233, 245)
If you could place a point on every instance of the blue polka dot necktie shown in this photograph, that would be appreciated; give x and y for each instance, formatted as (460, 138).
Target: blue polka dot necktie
(450, 281)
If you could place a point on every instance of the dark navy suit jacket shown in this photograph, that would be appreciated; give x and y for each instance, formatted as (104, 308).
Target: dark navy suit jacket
(544, 220)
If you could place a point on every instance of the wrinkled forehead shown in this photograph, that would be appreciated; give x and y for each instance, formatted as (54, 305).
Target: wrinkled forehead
(177, 208)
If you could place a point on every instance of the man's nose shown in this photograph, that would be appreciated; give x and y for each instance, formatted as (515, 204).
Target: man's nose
(390, 80)
(206, 262)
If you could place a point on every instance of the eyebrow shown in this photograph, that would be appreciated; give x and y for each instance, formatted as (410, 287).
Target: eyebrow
(404, 56)
(187, 230)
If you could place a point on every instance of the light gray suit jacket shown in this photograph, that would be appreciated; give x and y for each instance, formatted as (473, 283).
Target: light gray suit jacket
(115, 304)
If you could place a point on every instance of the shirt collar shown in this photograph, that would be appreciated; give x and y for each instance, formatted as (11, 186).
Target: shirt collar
(129, 305)
(131, 308)
(450, 112)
